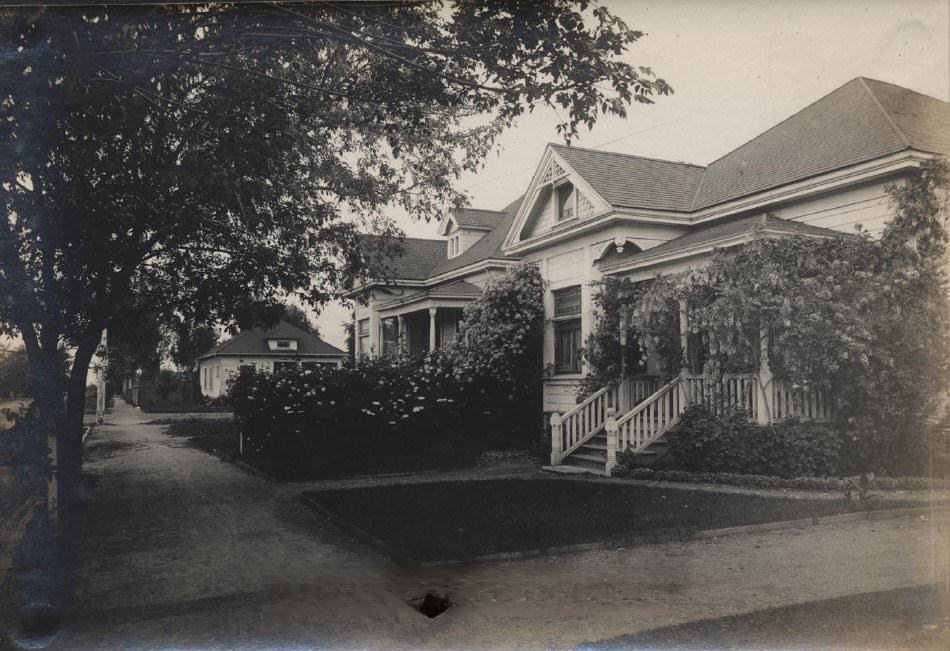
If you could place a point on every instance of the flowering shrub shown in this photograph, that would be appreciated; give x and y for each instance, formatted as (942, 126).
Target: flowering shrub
(394, 414)
(375, 415)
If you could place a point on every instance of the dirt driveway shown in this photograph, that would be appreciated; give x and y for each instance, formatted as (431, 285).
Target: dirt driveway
(183, 550)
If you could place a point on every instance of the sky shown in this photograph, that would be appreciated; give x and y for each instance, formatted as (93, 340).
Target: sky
(737, 68)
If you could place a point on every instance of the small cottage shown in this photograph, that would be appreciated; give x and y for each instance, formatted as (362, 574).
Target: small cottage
(264, 350)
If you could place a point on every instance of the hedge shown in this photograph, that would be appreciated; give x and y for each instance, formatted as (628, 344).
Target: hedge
(378, 415)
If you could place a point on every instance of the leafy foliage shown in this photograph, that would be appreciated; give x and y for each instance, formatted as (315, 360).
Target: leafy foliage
(860, 320)
(400, 413)
(205, 160)
(704, 441)
(296, 315)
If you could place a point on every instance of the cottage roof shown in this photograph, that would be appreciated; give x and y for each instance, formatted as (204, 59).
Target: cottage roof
(254, 342)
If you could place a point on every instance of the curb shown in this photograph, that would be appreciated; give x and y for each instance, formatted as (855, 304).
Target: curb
(353, 529)
(246, 467)
(619, 542)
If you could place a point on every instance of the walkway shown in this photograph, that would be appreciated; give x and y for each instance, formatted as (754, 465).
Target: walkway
(184, 550)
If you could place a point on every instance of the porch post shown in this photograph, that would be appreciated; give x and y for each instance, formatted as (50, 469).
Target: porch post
(556, 440)
(623, 400)
(432, 311)
(684, 337)
(764, 412)
(401, 335)
(612, 430)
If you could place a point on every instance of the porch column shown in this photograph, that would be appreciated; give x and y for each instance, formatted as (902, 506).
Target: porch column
(401, 335)
(623, 400)
(764, 411)
(684, 337)
(432, 312)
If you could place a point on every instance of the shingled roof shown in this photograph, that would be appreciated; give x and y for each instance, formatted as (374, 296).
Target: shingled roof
(254, 342)
(478, 218)
(626, 181)
(862, 120)
(708, 233)
(485, 248)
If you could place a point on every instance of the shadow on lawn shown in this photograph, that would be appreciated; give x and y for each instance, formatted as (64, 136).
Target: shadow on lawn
(468, 520)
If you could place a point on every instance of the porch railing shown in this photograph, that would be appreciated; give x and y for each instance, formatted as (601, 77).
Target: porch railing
(653, 416)
(719, 394)
(788, 402)
(570, 430)
(638, 389)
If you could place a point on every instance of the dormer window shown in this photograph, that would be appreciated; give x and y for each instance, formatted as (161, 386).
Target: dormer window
(566, 202)
(282, 344)
(454, 246)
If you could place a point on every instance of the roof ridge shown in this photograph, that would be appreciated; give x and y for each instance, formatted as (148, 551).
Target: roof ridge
(901, 88)
(786, 119)
(482, 209)
(619, 153)
(699, 188)
(887, 116)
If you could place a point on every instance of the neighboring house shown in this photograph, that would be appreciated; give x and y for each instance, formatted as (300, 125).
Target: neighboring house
(587, 214)
(263, 350)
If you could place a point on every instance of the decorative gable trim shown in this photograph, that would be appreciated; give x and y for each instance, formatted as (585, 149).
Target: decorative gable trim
(448, 225)
(551, 171)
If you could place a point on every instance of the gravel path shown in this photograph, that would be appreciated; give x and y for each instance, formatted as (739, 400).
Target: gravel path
(183, 550)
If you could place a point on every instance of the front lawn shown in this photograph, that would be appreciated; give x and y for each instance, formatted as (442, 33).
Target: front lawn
(467, 519)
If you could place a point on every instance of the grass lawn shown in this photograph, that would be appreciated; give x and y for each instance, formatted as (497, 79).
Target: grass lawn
(466, 519)
(212, 435)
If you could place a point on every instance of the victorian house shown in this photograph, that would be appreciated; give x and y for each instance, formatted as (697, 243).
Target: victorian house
(587, 214)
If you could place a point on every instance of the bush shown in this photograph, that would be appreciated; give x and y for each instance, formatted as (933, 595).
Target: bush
(400, 414)
(373, 416)
(705, 442)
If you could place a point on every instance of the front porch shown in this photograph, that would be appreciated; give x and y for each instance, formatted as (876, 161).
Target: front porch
(633, 413)
(422, 321)
(416, 332)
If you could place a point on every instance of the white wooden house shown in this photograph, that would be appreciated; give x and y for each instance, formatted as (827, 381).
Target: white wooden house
(266, 351)
(587, 214)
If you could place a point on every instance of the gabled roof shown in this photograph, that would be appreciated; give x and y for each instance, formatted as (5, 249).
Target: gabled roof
(861, 120)
(478, 218)
(489, 247)
(419, 256)
(451, 289)
(626, 181)
(710, 233)
(254, 342)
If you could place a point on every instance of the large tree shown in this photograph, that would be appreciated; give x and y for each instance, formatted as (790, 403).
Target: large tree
(204, 160)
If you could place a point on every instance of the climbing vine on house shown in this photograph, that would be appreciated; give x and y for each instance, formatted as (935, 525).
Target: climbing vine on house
(862, 320)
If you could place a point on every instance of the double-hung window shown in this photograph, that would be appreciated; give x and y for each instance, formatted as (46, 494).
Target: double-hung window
(362, 337)
(566, 198)
(567, 330)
